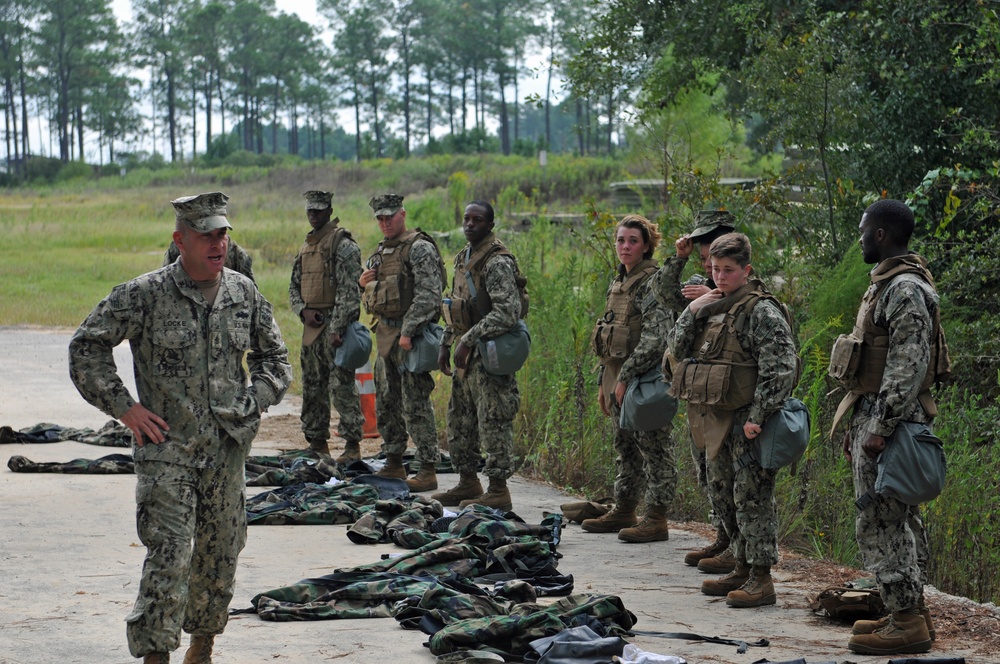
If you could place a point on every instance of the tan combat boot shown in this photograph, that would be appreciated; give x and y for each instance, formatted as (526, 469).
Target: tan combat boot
(497, 496)
(622, 515)
(468, 487)
(425, 480)
(652, 528)
(720, 544)
(352, 453)
(718, 564)
(393, 467)
(869, 626)
(904, 633)
(200, 651)
(320, 446)
(156, 658)
(726, 584)
(757, 591)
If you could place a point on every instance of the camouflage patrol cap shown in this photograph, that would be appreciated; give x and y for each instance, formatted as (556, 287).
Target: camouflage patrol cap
(708, 221)
(318, 200)
(204, 212)
(386, 204)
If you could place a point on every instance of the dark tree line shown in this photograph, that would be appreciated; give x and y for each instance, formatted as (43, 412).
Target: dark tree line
(407, 70)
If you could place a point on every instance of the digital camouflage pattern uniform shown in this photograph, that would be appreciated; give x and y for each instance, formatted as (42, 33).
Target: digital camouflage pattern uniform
(188, 359)
(403, 398)
(336, 265)
(744, 499)
(644, 462)
(237, 258)
(890, 533)
(483, 406)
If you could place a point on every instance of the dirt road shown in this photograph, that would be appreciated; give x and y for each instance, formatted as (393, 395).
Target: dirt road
(70, 562)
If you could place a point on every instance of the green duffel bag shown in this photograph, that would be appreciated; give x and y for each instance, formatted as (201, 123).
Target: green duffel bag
(784, 436)
(423, 357)
(912, 466)
(356, 349)
(646, 405)
(505, 354)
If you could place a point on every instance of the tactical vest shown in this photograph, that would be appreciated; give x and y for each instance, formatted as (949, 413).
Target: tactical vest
(470, 301)
(616, 334)
(721, 373)
(393, 293)
(858, 360)
(319, 281)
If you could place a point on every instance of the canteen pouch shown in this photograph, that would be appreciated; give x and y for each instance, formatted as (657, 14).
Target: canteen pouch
(505, 354)
(455, 312)
(912, 466)
(701, 383)
(356, 349)
(646, 405)
(784, 436)
(845, 358)
(422, 358)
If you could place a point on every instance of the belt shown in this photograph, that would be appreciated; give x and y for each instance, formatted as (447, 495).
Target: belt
(391, 322)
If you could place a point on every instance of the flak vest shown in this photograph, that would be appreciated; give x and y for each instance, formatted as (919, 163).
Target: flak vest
(394, 287)
(616, 334)
(319, 281)
(858, 360)
(721, 376)
(470, 301)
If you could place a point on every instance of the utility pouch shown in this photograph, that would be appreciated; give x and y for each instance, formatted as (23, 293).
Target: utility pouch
(845, 358)
(646, 405)
(505, 354)
(912, 466)
(784, 436)
(701, 383)
(422, 358)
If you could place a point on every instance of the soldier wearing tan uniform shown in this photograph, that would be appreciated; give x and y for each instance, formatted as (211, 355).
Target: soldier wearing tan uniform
(324, 292)
(190, 326)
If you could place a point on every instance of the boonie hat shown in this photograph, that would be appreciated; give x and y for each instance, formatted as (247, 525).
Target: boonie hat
(386, 204)
(708, 221)
(204, 213)
(318, 200)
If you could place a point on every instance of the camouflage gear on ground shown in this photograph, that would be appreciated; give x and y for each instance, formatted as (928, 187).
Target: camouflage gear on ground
(290, 468)
(112, 434)
(236, 258)
(189, 369)
(112, 464)
(891, 537)
(181, 586)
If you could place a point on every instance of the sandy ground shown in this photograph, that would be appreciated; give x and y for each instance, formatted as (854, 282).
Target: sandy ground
(70, 561)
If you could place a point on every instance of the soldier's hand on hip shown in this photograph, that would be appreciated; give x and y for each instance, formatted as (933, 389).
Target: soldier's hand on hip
(145, 425)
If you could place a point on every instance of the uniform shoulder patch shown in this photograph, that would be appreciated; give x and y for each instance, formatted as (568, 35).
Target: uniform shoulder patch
(121, 297)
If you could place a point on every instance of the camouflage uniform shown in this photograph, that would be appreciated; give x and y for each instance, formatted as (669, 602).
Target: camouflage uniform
(744, 499)
(237, 258)
(483, 406)
(403, 398)
(188, 360)
(644, 460)
(890, 533)
(322, 380)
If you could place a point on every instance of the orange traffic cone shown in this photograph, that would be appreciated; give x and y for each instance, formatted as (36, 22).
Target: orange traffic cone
(366, 391)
